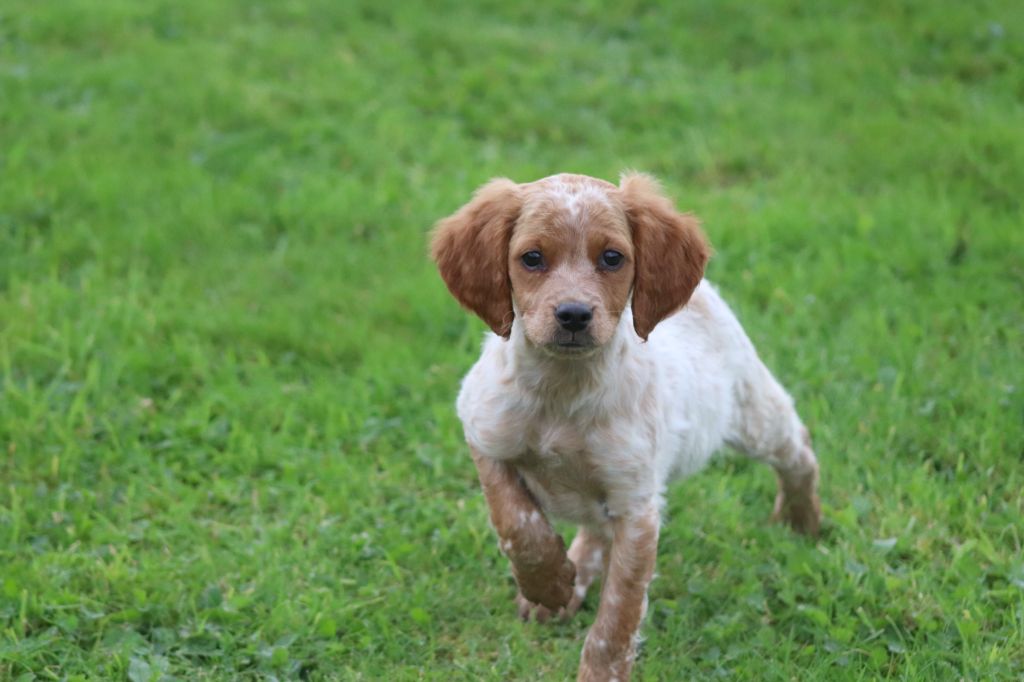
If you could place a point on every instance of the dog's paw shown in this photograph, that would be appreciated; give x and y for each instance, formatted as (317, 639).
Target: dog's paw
(802, 513)
(529, 610)
(539, 613)
(551, 589)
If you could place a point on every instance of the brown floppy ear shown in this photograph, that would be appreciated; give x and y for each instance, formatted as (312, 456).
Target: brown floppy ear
(671, 252)
(471, 251)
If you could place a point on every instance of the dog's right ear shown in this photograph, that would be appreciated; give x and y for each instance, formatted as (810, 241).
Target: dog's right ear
(471, 251)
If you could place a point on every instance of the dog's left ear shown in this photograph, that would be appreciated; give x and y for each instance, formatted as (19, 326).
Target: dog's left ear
(471, 251)
(671, 252)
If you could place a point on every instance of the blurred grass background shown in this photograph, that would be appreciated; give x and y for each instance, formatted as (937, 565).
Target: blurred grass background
(227, 442)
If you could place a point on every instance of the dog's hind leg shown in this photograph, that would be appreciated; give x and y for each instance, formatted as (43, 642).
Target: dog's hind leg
(589, 552)
(768, 429)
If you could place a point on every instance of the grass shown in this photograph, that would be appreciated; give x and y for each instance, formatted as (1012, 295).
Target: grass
(227, 442)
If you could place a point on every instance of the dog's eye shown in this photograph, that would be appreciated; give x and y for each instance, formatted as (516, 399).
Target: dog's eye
(611, 260)
(533, 260)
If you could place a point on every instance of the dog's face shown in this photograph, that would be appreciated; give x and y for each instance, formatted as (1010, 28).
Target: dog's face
(565, 253)
(570, 263)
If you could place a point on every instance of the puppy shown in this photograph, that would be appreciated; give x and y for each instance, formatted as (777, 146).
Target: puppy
(613, 368)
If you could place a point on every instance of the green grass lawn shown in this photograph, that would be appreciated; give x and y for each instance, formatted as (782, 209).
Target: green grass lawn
(228, 447)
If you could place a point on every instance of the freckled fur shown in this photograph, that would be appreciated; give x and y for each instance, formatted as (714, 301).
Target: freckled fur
(595, 437)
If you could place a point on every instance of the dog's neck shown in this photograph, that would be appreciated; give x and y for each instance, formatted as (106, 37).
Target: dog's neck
(565, 379)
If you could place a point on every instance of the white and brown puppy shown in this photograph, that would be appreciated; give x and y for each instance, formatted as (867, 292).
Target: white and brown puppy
(612, 369)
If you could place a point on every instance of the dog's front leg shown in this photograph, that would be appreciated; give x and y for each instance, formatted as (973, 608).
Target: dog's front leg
(537, 553)
(610, 647)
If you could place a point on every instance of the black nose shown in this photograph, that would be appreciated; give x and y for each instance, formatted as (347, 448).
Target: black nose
(573, 316)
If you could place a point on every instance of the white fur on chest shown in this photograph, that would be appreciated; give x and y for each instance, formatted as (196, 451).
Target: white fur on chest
(600, 438)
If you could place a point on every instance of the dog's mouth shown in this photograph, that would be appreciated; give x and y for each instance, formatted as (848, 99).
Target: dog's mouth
(571, 344)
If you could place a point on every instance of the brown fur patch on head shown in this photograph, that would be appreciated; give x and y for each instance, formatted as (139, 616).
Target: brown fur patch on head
(671, 252)
(471, 252)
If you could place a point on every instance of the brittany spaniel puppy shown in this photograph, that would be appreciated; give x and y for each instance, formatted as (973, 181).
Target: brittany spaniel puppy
(613, 368)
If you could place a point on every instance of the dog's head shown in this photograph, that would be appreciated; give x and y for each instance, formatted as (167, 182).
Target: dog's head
(565, 253)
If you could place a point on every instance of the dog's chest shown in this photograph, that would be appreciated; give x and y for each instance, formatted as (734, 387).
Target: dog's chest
(570, 467)
(584, 455)
(556, 441)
